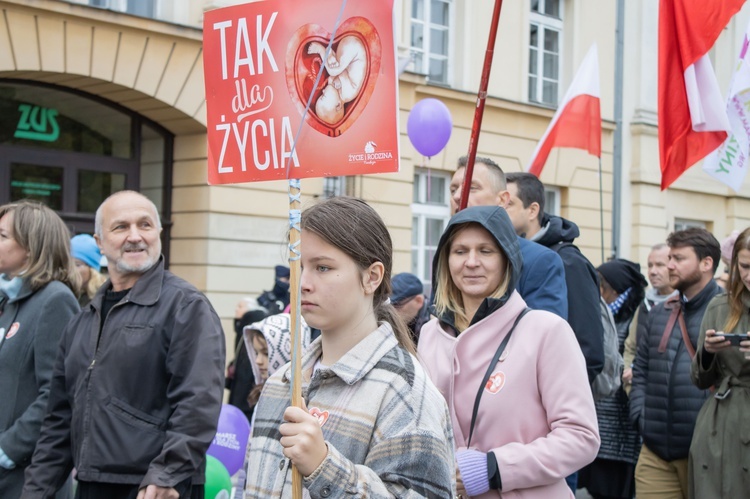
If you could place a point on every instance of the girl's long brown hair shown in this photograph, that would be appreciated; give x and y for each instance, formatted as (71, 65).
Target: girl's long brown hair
(736, 288)
(355, 228)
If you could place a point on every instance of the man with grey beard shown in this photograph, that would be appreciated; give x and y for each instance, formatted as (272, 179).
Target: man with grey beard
(138, 383)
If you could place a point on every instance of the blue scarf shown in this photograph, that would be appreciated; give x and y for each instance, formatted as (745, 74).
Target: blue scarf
(12, 287)
(616, 305)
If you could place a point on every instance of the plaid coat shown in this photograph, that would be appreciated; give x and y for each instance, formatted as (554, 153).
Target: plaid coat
(386, 425)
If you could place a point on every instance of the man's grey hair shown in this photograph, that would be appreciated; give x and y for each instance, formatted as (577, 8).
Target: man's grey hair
(98, 217)
(659, 246)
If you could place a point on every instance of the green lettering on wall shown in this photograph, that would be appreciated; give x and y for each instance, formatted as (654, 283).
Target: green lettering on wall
(37, 123)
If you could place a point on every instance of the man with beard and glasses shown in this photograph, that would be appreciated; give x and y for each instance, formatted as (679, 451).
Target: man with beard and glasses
(138, 382)
(664, 403)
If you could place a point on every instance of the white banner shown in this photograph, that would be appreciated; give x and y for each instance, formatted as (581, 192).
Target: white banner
(728, 163)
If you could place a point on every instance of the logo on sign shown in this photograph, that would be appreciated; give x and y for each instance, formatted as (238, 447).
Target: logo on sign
(371, 155)
(37, 123)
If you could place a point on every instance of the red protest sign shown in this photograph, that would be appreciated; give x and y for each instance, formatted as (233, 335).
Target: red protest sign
(261, 61)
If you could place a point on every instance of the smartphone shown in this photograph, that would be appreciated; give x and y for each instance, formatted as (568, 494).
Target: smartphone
(735, 339)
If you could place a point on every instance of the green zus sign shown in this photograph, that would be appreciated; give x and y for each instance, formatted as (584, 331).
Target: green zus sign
(37, 123)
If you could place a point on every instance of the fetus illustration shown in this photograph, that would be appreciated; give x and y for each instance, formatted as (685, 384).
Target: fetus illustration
(338, 84)
(347, 68)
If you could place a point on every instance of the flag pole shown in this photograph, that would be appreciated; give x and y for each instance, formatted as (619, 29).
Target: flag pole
(601, 207)
(479, 112)
(294, 297)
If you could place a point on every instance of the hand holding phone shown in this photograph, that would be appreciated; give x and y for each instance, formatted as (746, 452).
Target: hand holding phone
(735, 339)
(717, 341)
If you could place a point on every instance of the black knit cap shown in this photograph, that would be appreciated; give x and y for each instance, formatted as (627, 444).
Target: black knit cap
(622, 274)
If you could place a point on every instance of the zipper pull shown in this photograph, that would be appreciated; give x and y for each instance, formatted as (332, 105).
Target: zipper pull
(92, 364)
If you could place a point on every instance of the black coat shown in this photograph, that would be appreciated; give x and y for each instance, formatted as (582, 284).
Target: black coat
(664, 403)
(620, 441)
(139, 402)
(583, 290)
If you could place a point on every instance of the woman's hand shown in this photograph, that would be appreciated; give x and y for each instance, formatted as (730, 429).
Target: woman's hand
(715, 342)
(745, 346)
(302, 439)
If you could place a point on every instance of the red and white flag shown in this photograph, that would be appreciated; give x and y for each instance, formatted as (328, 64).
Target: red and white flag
(578, 120)
(692, 114)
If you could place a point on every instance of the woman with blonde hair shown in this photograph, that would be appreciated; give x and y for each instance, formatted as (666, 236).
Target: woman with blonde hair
(88, 258)
(720, 449)
(515, 379)
(38, 282)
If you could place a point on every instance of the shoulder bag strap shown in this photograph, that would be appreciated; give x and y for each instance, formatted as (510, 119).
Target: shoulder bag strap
(490, 368)
(686, 337)
(676, 310)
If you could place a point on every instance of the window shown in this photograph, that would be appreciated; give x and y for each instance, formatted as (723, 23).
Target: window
(545, 37)
(684, 223)
(338, 186)
(142, 8)
(70, 150)
(552, 200)
(430, 214)
(430, 32)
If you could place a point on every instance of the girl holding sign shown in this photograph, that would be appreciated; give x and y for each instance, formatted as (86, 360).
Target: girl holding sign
(373, 424)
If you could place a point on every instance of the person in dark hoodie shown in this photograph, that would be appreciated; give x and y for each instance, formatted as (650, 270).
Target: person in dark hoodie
(526, 211)
(484, 337)
(277, 299)
(612, 474)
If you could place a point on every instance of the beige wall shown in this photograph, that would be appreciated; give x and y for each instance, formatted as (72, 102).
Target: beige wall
(226, 239)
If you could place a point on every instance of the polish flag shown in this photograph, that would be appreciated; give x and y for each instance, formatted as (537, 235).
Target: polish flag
(578, 120)
(692, 114)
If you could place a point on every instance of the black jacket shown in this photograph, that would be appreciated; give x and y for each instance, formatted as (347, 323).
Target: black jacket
(664, 403)
(583, 290)
(141, 407)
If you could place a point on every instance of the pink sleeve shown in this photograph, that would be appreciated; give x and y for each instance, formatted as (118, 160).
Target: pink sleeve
(573, 441)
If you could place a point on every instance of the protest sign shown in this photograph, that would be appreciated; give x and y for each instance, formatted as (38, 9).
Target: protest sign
(261, 61)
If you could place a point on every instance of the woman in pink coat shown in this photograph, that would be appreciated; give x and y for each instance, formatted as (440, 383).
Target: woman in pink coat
(525, 421)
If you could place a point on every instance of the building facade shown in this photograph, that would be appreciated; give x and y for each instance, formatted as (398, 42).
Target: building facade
(102, 95)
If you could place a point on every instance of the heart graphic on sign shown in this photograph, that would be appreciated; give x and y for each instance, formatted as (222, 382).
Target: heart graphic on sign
(304, 64)
(321, 415)
(496, 382)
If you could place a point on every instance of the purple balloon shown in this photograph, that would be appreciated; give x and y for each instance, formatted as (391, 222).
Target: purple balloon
(230, 442)
(429, 126)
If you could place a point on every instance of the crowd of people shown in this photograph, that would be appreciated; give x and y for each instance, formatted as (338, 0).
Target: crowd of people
(524, 371)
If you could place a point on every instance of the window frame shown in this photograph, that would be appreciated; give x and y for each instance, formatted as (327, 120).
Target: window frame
(422, 211)
(688, 223)
(544, 23)
(553, 193)
(424, 50)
